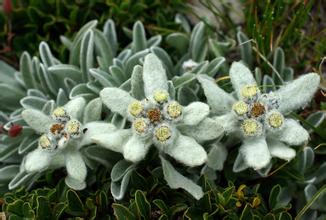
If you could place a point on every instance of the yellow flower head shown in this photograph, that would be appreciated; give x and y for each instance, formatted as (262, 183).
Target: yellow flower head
(73, 128)
(135, 108)
(60, 114)
(45, 142)
(161, 96)
(251, 127)
(240, 108)
(140, 125)
(163, 133)
(275, 120)
(249, 91)
(174, 109)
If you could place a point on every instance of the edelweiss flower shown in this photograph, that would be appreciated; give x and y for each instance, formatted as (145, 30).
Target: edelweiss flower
(258, 118)
(62, 137)
(158, 120)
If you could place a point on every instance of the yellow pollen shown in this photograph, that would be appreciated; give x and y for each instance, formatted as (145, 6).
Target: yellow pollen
(163, 133)
(174, 110)
(44, 142)
(59, 112)
(249, 91)
(140, 125)
(161, 96)
(73, 127)
(275, 120)
(240, 107)
(250, 127)
(135, 108)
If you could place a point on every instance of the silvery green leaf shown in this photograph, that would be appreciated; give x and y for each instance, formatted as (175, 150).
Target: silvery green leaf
(154, 41)
(198, 46)
(119, 63)
(69, 84)
(118, 120)
(20, 81)
(175, 180)
(194, 113)
(292, 133)
(137, 84)
(245, 48)
(180, 81)
(111, 35)
(118, 189)
(186, 96)
(87, 54)
(100, 155)
(10, 97)
(138, 37)
(182, 20)
(113, 141)
(76, 170)
(258, 75)
(7, 73)
(46, 55)
(117, 75)
(75, 50)
(37, 120)
(216, 156)
(62, 98)
(268, 84)
(321, 173)
(7, 151)
(239, 164)
(171, 90)
(26, 70)
(298, 93)
(75, 107)
(48, 107)
(3, 117)
(165, 58)
(37, 160)
(315, 119)
(93, 111)
(288, 74)
(136, 148)
(104, 48)
(133, 61)
(264, 171)
(102, 77)
(214, 66)
(61, 71)
(310, 190)
(305, 159)
(20, 179)
(7, 173)
(180, 41)
(279, 64)
(33, 102)
(81, 90)
(95, 87)
(28, 144)
(120, 169)
(66, 42)
(201, 67)
(219, 100)
(35, 92)
(47, 80)
(124, 55)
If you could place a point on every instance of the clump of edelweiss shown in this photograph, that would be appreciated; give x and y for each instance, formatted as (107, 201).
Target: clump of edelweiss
(258, 118)
(158, 119)
(62, 136)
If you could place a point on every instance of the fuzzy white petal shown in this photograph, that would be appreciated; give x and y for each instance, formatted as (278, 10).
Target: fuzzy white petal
(207, 129)
(194, 113)
(154, 75)
(229, 122)
(117, 100)
(95, 128)
(217, 156)
(280, 150)
(74, 183)
(255, 152)
(38, 160)
(37, 120)
(113, 141)
(187, 151)
(240, 77)
(239, 164)
(135, 149)
(297, 93)
(75, 107)
(292, 133)
(219, 100)
(75, 165)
